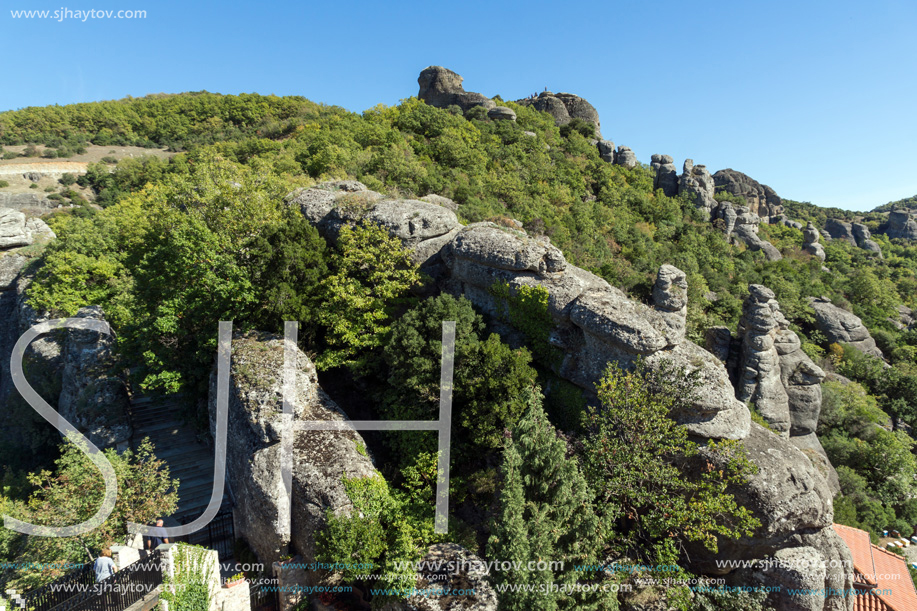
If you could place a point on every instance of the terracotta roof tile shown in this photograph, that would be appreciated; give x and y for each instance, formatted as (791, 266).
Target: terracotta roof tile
(894, 588)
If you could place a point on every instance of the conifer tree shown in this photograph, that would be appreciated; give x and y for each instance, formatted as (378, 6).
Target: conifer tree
(546, 515)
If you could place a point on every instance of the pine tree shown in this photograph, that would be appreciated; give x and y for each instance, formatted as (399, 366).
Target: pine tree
(545, 514)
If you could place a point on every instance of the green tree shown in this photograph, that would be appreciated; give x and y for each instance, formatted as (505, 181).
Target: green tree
(657, 489)
(545, 513)
(74, 492)
(372, 273)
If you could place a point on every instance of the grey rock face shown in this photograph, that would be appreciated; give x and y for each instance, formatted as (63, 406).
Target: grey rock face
(471, 574)
(839, 230)
(625, 157)
(442, 88)
(760, 199)
(900, 224)
(18, 201)
(718, 342)
(746, 229)
(759, 376)
(606, 150)
(810, 242)
(32, 176)
(501, 113)
(809, 445)
(255, 426)
(698, 183)
(793, 503)
(13, 230)
(841, 326)
(510, 249)
(864, 239)
(666, 175)
(564, 107)
(439, 200)
(93, 397)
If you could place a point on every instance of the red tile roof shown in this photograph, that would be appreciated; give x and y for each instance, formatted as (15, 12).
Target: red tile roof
(894, 587)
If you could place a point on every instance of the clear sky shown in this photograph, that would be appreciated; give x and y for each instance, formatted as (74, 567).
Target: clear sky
(814, 98)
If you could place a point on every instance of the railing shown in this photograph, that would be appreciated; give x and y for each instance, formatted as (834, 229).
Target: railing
(218, 534)
(74, 592)
(51, 595)
(262, 595)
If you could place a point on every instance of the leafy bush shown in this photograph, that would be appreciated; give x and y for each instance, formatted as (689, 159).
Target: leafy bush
(4, 183)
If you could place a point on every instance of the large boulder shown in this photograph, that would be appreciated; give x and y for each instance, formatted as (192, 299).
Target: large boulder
(792, 501)
(810, 242)
(843, 327)
(20, 201)
(840, 230)
(626, 157)
(446, 569)
(900, 224)
(564, 107)
(442, 88)
(746, 229)
(606, 150)
(501, 113)
(256, 424)
(13, 230)
(760, 199)
(665, 175)
(864, 239)
(697, 182)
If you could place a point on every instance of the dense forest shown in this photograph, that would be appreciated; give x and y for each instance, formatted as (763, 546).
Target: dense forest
(170, 247)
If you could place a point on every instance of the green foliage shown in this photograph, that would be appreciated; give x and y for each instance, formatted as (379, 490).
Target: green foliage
(189, 588)
(372, 273)
(73, 492)
(489, 378)
(526, 309)
(67, 179)
(656, 488)
(545, 513)
(4, 183)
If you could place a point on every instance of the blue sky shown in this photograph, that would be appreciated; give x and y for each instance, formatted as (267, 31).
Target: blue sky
(814, 98)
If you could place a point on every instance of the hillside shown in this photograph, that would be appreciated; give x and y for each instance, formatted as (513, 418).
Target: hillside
(760, 325)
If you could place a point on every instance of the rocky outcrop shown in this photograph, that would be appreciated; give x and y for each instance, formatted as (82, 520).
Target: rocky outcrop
(442, 88)
(839, 230)
(564, 107)
(596, 324)
(501, 113)
(864, 239)
(843, 327)
(810, 242)
(625, 157)
(19, 201)
(760, 199)
(439, 200)
(93, 395)
(13, 230)
(256, 424)
(665, 175)
(606, 150)
(471, 574)
(900, 224)
(793, 502)
(746, 229)
(697, 182)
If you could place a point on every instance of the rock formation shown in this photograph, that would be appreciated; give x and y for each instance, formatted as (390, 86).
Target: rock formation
(255, 426)
(810, 244)
(760, 199)
(13, 230)
(442, 88)
(501, 113)
(596, 324)
(625, 157)
(439, 200)
(565, 107)
(93, 397)
(759, 379)
(843, 327)
(746, 229)
(666, 176)
(19, 201)
(900, 224)
(606, 150)
(864, 239)
(470, 574)
(698, 183)
(839, 230)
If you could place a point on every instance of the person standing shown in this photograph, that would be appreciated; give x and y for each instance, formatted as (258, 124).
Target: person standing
(154, 541)
(104, 566)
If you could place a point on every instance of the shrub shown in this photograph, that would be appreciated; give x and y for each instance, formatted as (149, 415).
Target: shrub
(34, 185)
(4, 183)
(110, 160)
(67, 179)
